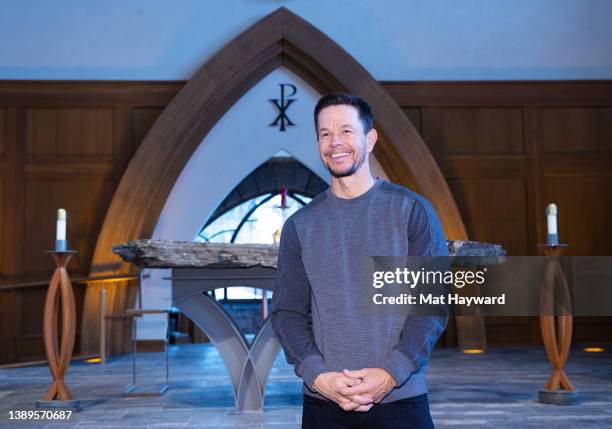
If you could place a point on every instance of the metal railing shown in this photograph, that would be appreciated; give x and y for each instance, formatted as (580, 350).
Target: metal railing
(75, 280)
(121, 279)
(104, 317)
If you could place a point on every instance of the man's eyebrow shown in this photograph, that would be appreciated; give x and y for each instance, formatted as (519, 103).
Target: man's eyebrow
(341, 126)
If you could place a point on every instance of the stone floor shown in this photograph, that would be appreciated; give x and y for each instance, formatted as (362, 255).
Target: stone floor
(497, 389)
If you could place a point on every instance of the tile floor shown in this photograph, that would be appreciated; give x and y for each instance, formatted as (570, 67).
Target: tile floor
(497, 389)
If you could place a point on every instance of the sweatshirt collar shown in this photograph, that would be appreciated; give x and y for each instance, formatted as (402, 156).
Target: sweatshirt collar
(367, 194)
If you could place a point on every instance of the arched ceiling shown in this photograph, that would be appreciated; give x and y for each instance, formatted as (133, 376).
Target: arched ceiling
(281, 38)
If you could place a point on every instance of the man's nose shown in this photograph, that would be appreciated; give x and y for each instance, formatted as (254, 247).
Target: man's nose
(336, 140)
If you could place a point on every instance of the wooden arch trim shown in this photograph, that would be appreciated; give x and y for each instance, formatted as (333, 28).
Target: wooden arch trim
(281, 38)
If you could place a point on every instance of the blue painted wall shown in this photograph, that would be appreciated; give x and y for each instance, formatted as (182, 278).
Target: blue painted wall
(417, 40)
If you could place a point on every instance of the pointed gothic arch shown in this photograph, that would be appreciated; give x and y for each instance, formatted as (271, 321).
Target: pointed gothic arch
(281, 38)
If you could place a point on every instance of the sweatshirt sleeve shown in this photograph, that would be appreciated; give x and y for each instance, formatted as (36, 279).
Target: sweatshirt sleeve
(420, 333)
(291, 316)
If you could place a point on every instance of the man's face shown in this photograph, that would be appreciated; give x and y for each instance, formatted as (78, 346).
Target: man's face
(343, 144)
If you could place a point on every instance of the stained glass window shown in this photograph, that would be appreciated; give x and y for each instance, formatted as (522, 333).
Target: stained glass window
(253, 221)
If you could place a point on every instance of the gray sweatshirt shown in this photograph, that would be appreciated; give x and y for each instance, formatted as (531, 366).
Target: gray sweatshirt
(316, 313)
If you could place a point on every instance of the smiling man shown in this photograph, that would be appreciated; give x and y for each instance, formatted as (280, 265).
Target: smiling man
(359, 370)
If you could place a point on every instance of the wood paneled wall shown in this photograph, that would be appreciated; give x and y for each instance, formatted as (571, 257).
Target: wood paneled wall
(62, 144)
(509, 149)
(506, 149)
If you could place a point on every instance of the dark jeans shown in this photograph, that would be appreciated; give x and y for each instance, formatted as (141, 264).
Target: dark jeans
(410, 413)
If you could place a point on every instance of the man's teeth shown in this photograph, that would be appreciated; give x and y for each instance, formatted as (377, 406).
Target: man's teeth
(336, 155)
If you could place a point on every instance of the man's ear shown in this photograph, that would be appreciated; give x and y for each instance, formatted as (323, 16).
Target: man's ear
(372, 137)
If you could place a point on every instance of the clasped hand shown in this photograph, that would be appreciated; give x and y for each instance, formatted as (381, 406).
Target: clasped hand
(355, 390)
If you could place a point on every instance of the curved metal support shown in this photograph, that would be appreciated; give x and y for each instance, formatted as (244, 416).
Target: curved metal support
(248, 367)
(264, 350)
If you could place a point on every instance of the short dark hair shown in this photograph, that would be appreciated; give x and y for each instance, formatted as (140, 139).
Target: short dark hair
(342, 98)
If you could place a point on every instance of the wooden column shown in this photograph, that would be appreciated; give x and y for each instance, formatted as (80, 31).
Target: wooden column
(60, 288)
(557, 339)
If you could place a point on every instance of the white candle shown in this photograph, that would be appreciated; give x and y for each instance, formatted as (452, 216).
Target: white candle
(61, 225)
(551, 222)
(551, 217)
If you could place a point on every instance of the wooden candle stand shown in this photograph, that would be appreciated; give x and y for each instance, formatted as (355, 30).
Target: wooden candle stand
(60, 288)
(557, 337)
